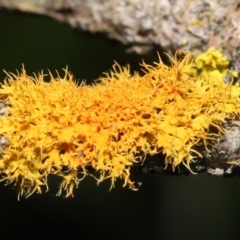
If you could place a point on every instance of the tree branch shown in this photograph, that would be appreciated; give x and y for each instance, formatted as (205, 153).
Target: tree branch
(188, 25)
(143, 25)
(222, 159)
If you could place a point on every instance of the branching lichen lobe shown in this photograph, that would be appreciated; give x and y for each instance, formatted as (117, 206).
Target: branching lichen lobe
(60, 128)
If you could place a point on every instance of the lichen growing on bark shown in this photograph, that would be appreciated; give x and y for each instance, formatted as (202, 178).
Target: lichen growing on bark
(63, 129)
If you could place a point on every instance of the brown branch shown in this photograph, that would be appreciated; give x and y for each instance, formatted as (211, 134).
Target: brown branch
(171, 24)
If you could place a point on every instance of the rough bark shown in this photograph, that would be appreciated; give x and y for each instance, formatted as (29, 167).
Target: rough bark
(221, 158)
(170, 24)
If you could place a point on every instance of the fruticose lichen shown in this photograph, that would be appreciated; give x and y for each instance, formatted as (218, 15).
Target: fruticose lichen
(63, 129)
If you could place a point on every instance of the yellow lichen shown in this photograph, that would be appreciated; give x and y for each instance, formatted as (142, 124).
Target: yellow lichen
(110, 125)
(213, 63)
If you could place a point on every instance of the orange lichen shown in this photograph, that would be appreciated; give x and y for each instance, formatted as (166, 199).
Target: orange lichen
(107, 126)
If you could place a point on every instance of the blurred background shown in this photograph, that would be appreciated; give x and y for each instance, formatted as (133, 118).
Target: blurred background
(165, 207)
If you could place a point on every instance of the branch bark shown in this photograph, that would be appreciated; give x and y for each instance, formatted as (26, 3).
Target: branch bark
(169, 24)
(221, 159)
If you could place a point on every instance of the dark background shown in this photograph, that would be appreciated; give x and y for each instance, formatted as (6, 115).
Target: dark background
(186, 207)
